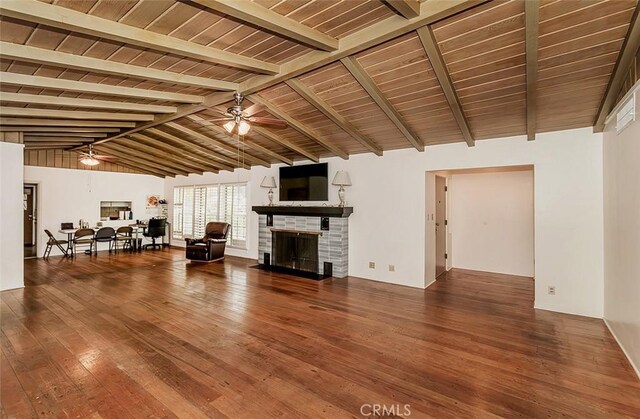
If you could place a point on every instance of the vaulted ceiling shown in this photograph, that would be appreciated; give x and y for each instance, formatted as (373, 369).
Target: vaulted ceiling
(146, 81)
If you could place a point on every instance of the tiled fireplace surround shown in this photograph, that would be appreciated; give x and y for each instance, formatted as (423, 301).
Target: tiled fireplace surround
(333, 244)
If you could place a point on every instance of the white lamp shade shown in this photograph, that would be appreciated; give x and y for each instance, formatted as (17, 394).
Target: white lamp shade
(268, 182)
(229, 126)
(243, 127)
(341, 178)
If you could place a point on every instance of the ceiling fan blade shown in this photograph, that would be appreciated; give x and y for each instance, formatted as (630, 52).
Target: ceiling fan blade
(268, 121)
(253, 109)
(102, 157)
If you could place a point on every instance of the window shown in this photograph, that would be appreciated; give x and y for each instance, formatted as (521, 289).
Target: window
(195, 206)
(626, 115)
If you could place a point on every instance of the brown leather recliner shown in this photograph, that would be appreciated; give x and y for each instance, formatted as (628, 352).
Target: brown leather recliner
(211, 247)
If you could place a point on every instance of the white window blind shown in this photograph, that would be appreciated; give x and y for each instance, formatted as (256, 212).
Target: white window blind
(626, 115)
(195, 206)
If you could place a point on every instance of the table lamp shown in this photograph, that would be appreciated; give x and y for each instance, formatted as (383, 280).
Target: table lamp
(341, 179)
(269, 182)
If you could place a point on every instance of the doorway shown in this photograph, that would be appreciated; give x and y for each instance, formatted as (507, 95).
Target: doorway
(441, 225)
(480, 219)
(30, 203)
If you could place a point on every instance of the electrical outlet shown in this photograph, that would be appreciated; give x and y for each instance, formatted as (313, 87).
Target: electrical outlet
(372, 265)
(551, 290)
(392, 268)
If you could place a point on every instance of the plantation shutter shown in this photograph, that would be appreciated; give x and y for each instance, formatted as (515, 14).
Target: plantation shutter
(195, 206)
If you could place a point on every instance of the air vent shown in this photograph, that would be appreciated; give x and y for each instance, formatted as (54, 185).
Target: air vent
(627, 114)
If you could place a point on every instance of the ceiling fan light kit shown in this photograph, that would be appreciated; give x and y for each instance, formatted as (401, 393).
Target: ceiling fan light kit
(240, 119)
(89, 161)
(90, 158)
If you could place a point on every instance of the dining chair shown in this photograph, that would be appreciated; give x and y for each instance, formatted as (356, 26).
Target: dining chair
(83, 237)
(54, 242)
(124, 235)
(105, 235)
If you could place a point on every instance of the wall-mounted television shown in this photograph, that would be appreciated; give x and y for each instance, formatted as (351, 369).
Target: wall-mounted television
(307, 182)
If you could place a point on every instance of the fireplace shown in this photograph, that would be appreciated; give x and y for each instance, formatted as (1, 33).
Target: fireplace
(312, 242)
(297, 250)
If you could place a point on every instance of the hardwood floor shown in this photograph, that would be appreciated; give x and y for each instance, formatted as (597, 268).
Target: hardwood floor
(150, 335)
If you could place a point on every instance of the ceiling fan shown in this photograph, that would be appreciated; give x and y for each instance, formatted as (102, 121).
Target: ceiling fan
(92, 159)
(240, 119)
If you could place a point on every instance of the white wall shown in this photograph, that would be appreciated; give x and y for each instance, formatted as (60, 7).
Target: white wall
(68, 195)
(11, 216)
(389, 225)
(622, 235)
(491, 222)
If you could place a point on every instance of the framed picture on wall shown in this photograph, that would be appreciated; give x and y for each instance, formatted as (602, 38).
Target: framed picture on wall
(152, 201)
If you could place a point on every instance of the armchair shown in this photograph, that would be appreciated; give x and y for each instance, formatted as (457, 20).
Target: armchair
(211, 246)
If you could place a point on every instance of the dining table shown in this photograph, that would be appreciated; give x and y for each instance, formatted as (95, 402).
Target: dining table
(136, 244)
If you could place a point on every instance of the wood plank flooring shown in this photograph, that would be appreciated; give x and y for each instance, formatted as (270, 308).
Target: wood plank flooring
(149, 335)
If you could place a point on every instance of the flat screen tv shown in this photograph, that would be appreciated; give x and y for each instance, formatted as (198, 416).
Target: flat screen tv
(307, 182)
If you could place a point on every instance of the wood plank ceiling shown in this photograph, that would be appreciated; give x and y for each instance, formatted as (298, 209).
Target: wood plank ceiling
(146, 80)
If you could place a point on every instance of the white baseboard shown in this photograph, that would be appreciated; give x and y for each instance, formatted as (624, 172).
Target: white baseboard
(430, 284)
(634, 366)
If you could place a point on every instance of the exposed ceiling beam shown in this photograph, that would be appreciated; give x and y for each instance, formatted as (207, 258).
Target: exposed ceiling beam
(300, 127)
(183, 111)
(532, 16)
(168, 159)
(78, 62)
(50, 143)
(43, 147)
(25, 80)
(378, 97)
(188, 156)
(41, 130)
(219, 144)
(430, 45)
(247, 142)
(83, 103)
(119, 151)
(65, 134)
(77, 140)
(63, 123)
(257, 147)
(265, 19)
(334, 116)
(220, 160)
(74, 21)
(53, 113)
(405, 8)
(136, 163)
(625, 57)
(276, 138)
(385, 30)
(430, 11)
(137, 169)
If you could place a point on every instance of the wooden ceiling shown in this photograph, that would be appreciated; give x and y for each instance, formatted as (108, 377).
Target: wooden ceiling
(144, 80)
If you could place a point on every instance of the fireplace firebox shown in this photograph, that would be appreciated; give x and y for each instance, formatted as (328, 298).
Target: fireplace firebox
(296, 250)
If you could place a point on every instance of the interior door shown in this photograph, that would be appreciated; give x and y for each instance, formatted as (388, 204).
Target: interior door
(29, 215)
(441, 228)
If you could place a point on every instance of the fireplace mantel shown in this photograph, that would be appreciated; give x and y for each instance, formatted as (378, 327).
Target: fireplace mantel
(342, 212)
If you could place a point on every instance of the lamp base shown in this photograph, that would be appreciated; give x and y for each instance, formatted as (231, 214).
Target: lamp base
(341, 196)
(270, 194)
